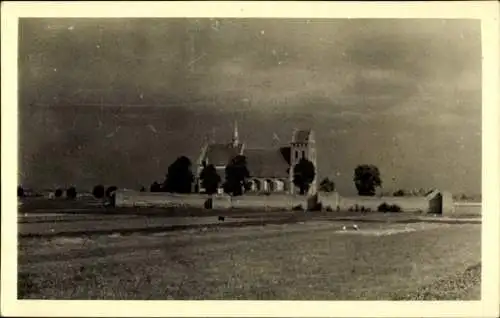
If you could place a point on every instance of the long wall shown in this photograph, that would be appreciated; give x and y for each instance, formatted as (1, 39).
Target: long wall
(437, 202)
(161, 199)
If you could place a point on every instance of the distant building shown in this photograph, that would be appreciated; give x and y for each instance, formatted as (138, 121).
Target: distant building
(271, 169)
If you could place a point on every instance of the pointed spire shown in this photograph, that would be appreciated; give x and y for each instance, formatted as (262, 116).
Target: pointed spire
(236, 138)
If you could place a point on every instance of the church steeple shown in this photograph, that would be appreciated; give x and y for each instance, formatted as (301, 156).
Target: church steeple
(236, 138)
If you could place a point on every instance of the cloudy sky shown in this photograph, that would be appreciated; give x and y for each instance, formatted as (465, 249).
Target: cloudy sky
(404, 95)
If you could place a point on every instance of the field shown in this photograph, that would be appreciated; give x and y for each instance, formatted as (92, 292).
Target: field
(249, 255)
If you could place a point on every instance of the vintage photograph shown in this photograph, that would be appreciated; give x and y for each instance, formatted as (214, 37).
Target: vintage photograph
(249, 159)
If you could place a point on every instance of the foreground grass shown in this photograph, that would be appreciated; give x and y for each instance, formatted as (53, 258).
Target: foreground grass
(299, 261)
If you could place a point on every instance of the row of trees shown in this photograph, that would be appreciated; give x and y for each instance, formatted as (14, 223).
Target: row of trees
(99, 191)
(179, 178)
(70, 192)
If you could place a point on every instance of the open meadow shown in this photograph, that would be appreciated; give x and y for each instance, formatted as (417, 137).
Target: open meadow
(248, 255)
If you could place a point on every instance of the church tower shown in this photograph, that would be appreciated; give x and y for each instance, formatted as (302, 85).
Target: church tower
(303, 145)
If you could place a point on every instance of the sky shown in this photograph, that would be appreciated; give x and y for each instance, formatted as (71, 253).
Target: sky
(115, 101)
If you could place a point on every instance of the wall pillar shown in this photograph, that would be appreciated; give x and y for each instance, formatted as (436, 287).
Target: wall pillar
(448, 206)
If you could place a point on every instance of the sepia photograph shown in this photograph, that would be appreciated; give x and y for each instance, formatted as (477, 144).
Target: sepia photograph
(249, 158)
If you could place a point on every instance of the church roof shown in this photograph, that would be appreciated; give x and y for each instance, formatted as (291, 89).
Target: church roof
(267, 163)
(302, 136)
(220, 154)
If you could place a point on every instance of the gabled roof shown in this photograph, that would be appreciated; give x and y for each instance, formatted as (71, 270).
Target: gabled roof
(302, 136)
(267, 163)
(221, 154)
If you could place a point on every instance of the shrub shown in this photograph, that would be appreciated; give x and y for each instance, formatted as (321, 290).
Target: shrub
(71, 193)
(327, 185)
(98, 191)
(329, 209)
(297, 208)
(384, 207)
(155, 187)
(58, 193)
(399, 193)
(394, 208)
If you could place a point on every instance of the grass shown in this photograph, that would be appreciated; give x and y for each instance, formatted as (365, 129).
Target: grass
(289, 261)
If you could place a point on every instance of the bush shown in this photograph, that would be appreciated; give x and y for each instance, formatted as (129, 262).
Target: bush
(395, 208)
(58, 193)
(384, 207)
(155, 187)
(399, 193)
(71, 193)
(297, 208)
(98, 191)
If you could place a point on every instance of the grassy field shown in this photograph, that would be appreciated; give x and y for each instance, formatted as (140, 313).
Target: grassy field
(311, 260)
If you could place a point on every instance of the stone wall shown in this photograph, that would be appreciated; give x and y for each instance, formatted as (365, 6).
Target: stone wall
(436, 202)
(407, 204)
(158, 199)
(161, 199)
(467, 208)
(270, 202)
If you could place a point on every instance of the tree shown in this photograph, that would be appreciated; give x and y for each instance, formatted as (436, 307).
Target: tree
(236, 175)
(110, 191)
(58, 193)
(20, 191)
(327, 185)
(98, 191)
(210, 180)
(399, 193)
(71, 193)
(366, 179)
(303, 175)
(179, 178)
(155, 187)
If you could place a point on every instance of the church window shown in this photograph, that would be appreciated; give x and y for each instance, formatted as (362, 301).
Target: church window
(303, 154)
(296, 154)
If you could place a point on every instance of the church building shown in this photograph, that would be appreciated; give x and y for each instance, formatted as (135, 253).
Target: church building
(271, 169)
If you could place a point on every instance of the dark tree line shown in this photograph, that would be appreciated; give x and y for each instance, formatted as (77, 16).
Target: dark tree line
(180, 178)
